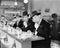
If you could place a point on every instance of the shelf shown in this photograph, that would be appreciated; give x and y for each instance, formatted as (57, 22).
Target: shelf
(13, 7)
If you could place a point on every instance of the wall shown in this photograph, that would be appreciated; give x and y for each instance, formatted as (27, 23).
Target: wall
(54, 5)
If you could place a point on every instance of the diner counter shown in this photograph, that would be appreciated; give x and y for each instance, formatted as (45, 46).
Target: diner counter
(25, 41)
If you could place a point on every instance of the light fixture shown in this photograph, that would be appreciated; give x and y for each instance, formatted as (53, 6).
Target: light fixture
(15, 3)
(25, 1)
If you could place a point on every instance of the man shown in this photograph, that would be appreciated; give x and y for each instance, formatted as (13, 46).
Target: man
(16, 22)
(23, 24)
(19, 23)
(42, 29)
(55, 27)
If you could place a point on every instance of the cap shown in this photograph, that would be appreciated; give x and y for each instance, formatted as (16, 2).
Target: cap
(54, 15)
(25, 13)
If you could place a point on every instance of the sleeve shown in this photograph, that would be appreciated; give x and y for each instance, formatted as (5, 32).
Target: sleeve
(15, 25)
(44, 30)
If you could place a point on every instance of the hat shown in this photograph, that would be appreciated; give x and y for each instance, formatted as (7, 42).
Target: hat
(25, 13)
(54, 15)
(34, 12)
(38, 14)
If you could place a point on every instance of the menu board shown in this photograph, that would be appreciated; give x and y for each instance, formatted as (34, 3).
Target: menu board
(11, 3)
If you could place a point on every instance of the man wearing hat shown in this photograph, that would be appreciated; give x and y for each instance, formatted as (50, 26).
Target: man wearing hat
(55, 27)
(42, 29)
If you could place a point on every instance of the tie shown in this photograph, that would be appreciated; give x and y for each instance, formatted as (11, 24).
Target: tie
(25, 24)
(36, 26)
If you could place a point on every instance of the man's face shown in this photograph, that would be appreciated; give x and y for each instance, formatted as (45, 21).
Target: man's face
(25, 18)
(36, 18)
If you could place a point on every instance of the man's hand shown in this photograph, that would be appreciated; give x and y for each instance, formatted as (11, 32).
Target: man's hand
(29, 32)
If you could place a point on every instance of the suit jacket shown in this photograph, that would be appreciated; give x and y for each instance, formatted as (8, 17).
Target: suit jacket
(44, 29)
(55, 30)
(20, 24)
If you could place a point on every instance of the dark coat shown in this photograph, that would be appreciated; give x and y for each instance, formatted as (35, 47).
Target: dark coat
(55, 35)
(20, 24)
(30, 26)
(43, 31)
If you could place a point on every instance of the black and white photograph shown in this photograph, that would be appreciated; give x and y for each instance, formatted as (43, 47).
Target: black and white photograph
(29, 23)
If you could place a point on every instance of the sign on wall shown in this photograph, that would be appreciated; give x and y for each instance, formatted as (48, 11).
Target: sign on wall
(11, 3)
